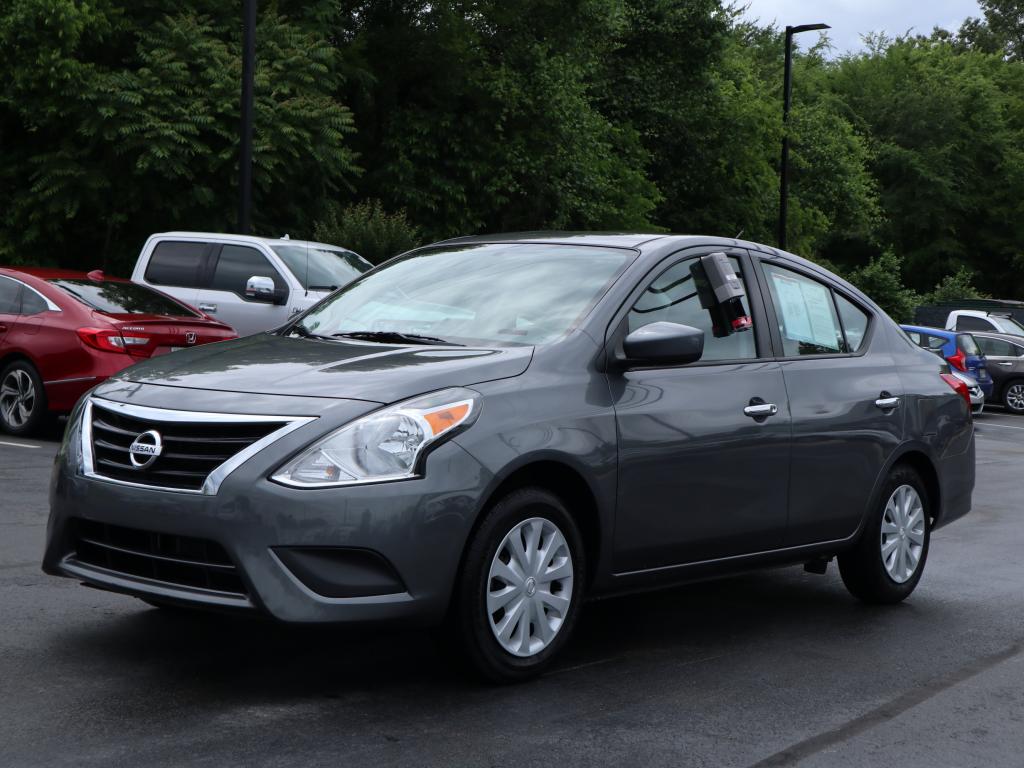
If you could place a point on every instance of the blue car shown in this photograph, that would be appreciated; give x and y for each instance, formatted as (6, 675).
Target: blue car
(957, 348)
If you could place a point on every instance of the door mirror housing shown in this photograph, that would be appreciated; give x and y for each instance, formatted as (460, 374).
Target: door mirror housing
(263, 289)
(664, 343)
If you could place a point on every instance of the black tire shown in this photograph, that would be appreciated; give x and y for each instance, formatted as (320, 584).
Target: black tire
(22, 373)
(1012, 393)
(862, 568)
(470, 619)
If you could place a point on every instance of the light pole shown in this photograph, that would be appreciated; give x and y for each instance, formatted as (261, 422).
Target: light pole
(787, 96)
(245, 153)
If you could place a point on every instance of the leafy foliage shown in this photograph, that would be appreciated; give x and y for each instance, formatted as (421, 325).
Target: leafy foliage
(369, 230)
(907, 162)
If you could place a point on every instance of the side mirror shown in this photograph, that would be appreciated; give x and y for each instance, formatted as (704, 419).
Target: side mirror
(664, 343)
(263, 289)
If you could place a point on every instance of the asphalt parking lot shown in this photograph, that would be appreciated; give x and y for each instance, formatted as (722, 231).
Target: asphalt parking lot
(774, 668)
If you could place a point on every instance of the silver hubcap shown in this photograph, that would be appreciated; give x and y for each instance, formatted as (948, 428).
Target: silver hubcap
(1015, 397)
(903, 533)
(17, 398)
(529, 587)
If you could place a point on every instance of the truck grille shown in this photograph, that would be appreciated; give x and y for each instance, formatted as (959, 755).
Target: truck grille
(180, 561)
(188, 451)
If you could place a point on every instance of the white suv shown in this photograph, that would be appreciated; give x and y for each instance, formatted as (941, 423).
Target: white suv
(251, 283)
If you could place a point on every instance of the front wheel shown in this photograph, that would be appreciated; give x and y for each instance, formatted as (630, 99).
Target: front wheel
(1013, 396)
(521, 586)
(887, 562)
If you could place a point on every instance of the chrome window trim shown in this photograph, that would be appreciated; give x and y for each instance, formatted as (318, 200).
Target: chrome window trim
(214, 479)
(49, 302)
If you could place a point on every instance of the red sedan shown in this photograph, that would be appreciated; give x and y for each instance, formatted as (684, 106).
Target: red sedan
(63, 332)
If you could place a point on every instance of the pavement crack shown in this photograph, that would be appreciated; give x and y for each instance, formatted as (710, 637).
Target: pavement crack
(794, 753)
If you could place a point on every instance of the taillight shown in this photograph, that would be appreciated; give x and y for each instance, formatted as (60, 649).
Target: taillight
(958, 361)
(110, 340)
(958, 386)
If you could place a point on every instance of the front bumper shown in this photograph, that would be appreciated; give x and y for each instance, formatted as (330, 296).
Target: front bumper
(414, 530)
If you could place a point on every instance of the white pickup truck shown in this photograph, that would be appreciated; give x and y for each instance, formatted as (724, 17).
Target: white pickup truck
(251, 283)
(980, 320)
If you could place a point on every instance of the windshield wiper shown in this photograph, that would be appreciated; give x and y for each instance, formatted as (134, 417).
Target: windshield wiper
(300, 330)
(394, 337)
(321, 288)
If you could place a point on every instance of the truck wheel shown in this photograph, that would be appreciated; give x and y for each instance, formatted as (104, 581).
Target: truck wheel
(521, 586)
(887, 562)
(22, 398)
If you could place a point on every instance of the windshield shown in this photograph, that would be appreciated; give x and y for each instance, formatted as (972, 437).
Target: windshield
(117, 298)
(319, 268)
(1009, 325)
(519, 293)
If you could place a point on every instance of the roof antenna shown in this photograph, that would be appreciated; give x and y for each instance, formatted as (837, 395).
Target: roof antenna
(739, 235)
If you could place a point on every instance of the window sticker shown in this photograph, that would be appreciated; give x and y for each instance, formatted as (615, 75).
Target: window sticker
(806, 311)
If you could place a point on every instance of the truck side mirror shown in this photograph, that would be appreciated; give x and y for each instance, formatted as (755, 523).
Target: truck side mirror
(263, 289)
(664, 343)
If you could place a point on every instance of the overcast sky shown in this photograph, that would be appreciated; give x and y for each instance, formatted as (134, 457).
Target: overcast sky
(852, 18)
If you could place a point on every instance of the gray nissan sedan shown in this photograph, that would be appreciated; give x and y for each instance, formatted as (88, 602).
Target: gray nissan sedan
(485, 432)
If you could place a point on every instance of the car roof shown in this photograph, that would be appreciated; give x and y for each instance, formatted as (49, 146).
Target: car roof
(250, 239)
(54, 273)
(1018, 340)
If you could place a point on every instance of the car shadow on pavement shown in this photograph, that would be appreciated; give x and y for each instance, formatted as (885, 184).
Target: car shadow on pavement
(238, 656)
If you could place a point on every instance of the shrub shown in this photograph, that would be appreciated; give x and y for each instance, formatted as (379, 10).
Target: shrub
(369, 230)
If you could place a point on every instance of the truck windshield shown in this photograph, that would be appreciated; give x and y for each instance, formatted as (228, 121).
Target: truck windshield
(122, 298)
(1008, 324)
(492, 294)
(319, 268)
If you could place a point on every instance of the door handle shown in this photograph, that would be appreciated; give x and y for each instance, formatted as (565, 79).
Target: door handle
(887, 402)
(3, 328)
(1004, 364)
(208, 307)
(760, 410)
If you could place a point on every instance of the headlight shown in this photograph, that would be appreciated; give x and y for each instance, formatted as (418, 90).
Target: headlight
(386, 445)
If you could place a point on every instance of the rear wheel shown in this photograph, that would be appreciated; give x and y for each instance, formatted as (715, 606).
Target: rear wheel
(1013, 396)
(521, 586)
(887, 562)
(22, 398)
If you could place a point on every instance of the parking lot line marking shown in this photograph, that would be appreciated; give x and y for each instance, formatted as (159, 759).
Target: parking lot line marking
(18, 445)
(1004, 426)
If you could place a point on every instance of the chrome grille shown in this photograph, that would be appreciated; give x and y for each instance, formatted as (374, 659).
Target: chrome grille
(193, 447)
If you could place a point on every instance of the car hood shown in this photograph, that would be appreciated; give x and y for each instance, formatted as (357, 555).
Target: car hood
(379, 373)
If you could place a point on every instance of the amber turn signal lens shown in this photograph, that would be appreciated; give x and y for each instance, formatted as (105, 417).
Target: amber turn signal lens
(443, 419)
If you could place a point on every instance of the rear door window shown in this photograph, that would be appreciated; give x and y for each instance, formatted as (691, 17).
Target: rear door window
(10, 296)
(32, 303)
(237, 264)
(997, 347)
(808, 321)
(971, 323)
(176, 264)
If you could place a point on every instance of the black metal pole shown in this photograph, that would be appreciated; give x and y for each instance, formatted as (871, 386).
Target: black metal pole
(787, 96)
(245, 153)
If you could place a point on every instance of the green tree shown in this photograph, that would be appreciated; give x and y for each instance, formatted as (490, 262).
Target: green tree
(881, 279)
(118, 120)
